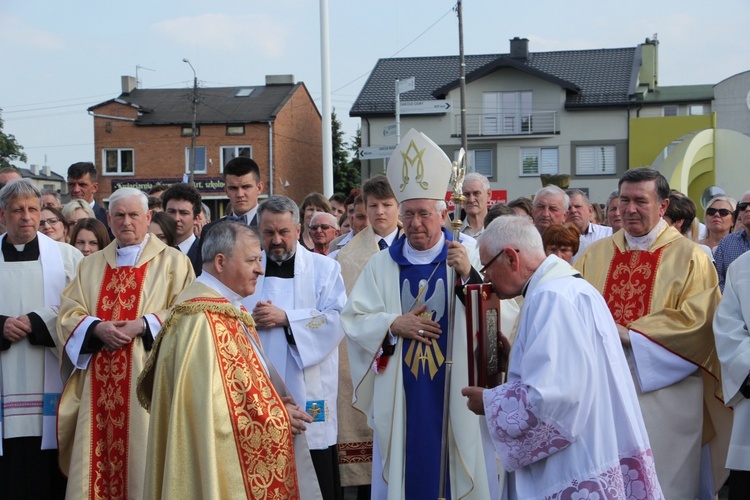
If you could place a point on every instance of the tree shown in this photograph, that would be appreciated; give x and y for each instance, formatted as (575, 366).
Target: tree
(10, 150)
(345, 174)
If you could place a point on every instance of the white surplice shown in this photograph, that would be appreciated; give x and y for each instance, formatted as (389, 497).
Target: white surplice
(312, 302)
(567, 424)
(731, 324)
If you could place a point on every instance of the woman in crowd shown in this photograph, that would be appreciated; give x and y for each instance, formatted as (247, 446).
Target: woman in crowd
(89, 235)
(163, 227)
(719, 220)
(76, 210)
(52, 224)
(613, 212)
(313, 202)
(561, 240)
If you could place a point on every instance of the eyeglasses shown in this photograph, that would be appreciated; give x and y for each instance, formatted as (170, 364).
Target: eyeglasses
(721, 211)
(408, 216)
(742, 206)
(324, 227)
(50, 221)
(493, 259)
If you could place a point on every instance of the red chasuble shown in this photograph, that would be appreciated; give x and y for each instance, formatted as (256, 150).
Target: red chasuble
(630, 284)
(111, 372)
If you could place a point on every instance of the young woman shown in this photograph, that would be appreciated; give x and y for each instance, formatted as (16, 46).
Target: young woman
(52, 224)
(89, 235)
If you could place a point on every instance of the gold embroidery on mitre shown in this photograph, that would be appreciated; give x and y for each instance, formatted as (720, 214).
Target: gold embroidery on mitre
(409, 161)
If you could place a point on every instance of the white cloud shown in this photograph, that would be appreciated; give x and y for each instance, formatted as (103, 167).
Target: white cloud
(16, 32)
(256, 34)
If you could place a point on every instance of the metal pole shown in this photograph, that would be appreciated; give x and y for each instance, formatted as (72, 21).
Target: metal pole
(325, 69)
(195, 117)
(462, 77)
(459, 170)
(398, 113)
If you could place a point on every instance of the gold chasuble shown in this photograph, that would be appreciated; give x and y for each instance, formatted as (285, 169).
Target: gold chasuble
(101, 428)
(668, 294)
(219, 428)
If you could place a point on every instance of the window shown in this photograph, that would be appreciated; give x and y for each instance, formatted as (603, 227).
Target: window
(200, 159)
(696, 109)
(669, 111)
(188, 131)
(536, 161)
(595, 160)
(479, 161)
(235, 130)
(118, 161)
(506, 113)
(231, 152)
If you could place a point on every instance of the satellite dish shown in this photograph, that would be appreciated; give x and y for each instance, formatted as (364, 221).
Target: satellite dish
(710, 193)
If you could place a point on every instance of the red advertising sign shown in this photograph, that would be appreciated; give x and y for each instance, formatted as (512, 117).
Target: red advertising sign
(498, 196)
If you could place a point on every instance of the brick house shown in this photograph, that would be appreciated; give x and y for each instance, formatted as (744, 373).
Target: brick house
(143, 137)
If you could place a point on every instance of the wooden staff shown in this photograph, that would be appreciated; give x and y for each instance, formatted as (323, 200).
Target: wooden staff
(459, 171)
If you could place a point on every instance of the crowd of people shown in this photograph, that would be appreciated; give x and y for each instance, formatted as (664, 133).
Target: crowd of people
(291, 350)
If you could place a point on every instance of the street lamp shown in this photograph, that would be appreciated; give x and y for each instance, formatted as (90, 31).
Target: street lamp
(195, 116)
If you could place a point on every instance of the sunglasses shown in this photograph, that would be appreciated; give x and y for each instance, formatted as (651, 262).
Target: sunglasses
(721, 211)
(742, 206)
(324, 227)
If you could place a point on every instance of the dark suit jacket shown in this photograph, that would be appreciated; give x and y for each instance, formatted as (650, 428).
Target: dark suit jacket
(194, 255)
(101, 215)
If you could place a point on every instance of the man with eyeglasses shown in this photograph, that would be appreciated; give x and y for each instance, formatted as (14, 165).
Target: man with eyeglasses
(568, 415)
(396, 322)
(34, 269)
(734, 244)
(323, 229)
(662, 291)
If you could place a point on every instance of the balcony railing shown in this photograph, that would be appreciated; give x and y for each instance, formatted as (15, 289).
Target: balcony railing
(494, 124)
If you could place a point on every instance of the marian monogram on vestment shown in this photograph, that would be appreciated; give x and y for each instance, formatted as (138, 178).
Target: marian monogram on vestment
(413, 158)
(421, 357)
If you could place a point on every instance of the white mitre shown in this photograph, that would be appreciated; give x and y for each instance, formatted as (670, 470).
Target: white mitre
(418, 168)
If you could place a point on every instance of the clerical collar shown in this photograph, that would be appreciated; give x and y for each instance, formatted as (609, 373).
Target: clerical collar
(280, 269)
(419, 257)
(644, 242)
(128, 256)
(20, 253)
(217, 286)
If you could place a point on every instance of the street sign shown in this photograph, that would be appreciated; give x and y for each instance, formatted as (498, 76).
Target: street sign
(406, 85)
(389, 130)
(425, 107)
(375, 152)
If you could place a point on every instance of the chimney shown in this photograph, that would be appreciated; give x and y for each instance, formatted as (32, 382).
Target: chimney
(519, 48)
(35, 169)
(128, 84)
(279, 79)
(47, 170)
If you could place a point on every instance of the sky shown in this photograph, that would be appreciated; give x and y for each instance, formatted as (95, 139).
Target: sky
(59, 58)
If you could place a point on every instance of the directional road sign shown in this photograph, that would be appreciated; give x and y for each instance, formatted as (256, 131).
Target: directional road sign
(425, 107)
(375, 152)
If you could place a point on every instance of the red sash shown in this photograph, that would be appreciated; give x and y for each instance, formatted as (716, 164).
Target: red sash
(262, 431)
(111, 373)
(630, 284)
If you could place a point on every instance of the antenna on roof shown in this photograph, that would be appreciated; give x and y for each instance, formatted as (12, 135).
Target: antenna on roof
(138, 80)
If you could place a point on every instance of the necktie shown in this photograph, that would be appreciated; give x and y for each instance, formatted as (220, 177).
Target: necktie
(382, 244)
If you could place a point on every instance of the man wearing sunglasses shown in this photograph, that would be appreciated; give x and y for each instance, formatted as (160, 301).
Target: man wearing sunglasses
(662, 291)
(323, 229)
(734, 244)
